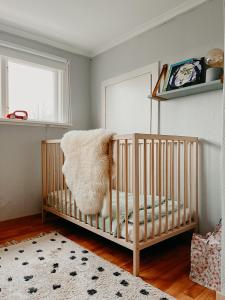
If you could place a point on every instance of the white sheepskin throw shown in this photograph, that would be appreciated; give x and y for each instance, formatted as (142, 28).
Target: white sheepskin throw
(86, 169)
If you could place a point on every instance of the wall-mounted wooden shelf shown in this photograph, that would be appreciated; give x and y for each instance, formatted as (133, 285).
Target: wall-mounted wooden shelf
(190, 90)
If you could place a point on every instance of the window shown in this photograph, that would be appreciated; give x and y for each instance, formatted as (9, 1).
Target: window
(34, 84)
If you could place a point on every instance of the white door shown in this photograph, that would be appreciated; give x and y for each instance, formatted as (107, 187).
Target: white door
(126, 103)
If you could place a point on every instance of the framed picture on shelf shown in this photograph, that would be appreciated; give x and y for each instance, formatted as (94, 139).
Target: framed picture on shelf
(185, 73)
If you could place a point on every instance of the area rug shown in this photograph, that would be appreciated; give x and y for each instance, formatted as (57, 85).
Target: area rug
(54, 267)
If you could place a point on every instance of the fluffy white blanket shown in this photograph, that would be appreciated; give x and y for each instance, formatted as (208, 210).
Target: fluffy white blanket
(86, 168)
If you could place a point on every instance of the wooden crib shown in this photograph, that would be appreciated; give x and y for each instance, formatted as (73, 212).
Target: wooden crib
(153, 190)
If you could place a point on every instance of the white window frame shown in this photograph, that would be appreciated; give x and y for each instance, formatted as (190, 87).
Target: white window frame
(62, 91)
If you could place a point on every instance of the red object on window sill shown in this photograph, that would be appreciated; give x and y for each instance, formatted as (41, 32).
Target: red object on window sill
(18, 114)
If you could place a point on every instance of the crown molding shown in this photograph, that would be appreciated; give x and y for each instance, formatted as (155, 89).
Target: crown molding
(160, 20)
(42, 39)
(157, 21)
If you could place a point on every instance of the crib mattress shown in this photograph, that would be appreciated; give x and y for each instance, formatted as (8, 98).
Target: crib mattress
(61, 201)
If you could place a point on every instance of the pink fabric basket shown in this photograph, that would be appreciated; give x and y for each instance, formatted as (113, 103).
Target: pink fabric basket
(205, 259)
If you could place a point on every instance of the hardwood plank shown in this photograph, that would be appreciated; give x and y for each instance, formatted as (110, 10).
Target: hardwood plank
(165, 265)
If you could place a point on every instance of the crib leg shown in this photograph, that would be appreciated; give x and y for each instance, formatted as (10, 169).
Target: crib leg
(136, 262)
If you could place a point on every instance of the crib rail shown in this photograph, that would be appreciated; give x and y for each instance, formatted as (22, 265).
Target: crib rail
(153, 183)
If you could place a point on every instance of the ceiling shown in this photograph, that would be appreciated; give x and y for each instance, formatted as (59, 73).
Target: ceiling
(87, 27)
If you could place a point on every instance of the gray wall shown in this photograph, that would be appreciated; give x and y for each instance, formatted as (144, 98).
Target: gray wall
(188, 35)
(20, 156)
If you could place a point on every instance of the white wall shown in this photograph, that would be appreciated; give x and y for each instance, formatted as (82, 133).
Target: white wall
(189, 35)
(20, 156)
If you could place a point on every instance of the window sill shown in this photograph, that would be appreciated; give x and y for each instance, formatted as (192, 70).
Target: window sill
(19, 122)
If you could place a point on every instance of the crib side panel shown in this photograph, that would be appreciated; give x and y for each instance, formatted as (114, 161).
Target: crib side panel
(168, 180)
(153, 188)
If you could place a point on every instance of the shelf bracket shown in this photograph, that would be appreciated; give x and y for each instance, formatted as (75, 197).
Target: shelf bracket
(161, 76)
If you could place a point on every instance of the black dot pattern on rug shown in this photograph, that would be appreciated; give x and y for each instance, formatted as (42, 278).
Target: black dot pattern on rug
(16, 258)
(101, 269)
(163, 298)
(41, 258)
(83, 263)
(10, 279)
(56, 286)
(39, 250)
(84, 259)
(118, 294)
(72, 257)
(116, 274)
(32, 290)
(29, 277)
(53, 271)
(56, 233)
(25, 263)
(55, 265)
(63, 242)
(34, 242)
(52, 240)
(91, 292)
(84, 251)
(72, 251)
(5, 249)
(124, 282)
(144, 292)
(73, 273)
(94, 277)
(21, 251)
(59, 248)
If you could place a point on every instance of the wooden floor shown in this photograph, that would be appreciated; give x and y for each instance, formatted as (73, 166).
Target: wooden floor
(165, 266)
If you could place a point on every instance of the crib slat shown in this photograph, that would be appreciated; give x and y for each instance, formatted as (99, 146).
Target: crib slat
(75, 209)
(52, 175)
(96, 220)
(57, 172)
(80, 216)
(178, 181)
(172, 180)
(159, 187)
(61, 179)
(166, 196)
(196, 182)
(156, 166)
(150, 163)
(145, 191)
(185, 182)
(65, 190)
(103, 224)
(70, 197)
(118, 187)
(153, 189)
(91, 220)
(163, 169)
(85, 219)
(126, 189)
(110, 186)
(47, 171)
(190, 180)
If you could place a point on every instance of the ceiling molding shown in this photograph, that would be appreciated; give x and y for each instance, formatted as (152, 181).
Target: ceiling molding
(42, 39)
(157, 21)
(162, 19)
